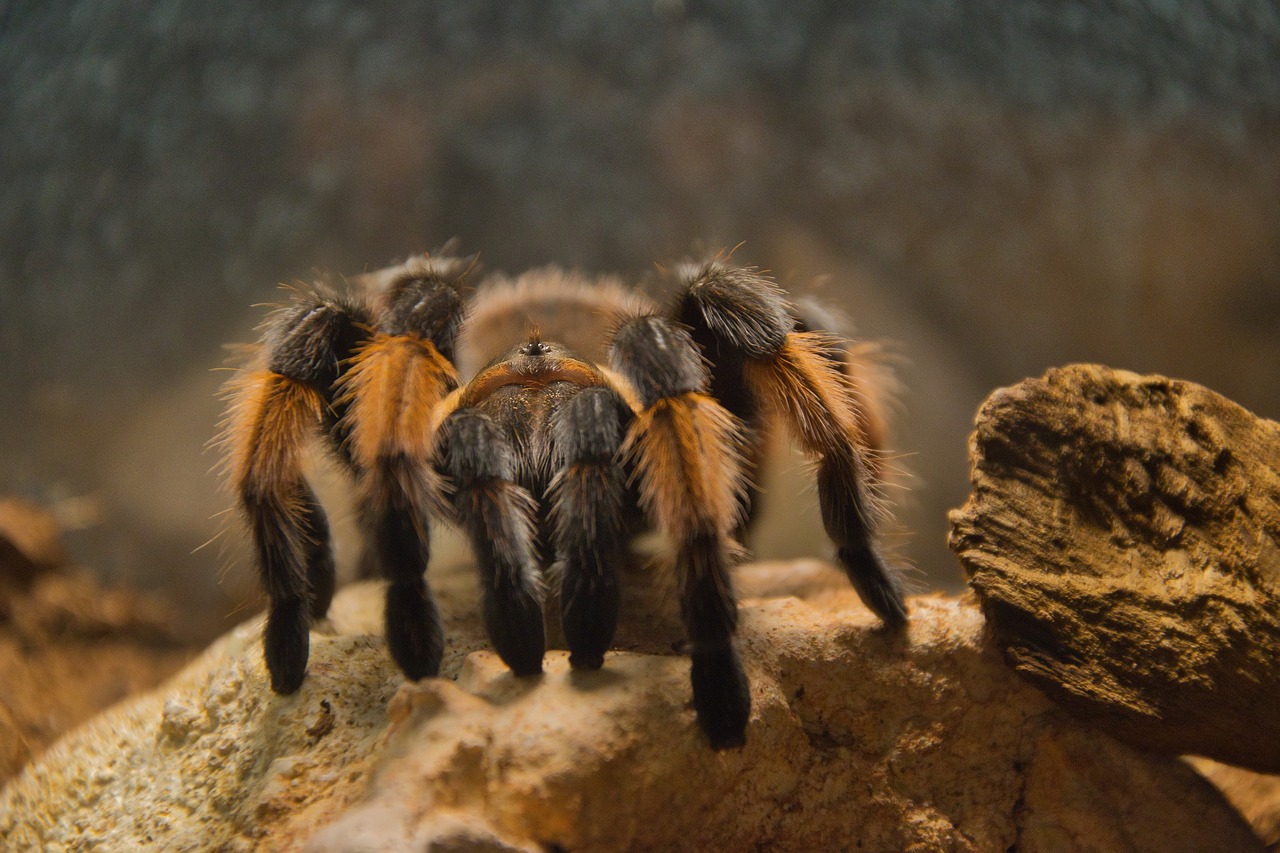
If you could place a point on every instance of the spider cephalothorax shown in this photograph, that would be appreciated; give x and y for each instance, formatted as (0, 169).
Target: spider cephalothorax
(550, 447)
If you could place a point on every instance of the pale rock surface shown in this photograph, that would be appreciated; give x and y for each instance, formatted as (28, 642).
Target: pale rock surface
(858, 740)
(1255, 795)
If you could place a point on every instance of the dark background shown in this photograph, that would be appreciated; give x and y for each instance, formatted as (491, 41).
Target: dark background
(996, 188)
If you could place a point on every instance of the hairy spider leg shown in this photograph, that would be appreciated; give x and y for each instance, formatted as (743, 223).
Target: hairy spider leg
(498, 517)
(273, 413)
(864, 364)
(730, 389)
(589, 500)
(684, 449)
(751, 327)
(392, 389)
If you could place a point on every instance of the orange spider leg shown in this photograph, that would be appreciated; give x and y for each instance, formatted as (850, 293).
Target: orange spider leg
(684, 449)
(273, 413)
(391, 390)
(747, 330)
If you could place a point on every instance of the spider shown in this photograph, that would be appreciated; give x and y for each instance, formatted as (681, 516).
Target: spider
(551, 450)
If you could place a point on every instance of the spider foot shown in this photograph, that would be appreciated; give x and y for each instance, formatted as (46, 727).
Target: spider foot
(414, 634)
(514, 620)
(721, 697)
(589, 615)
(285, 645)
(876, 583)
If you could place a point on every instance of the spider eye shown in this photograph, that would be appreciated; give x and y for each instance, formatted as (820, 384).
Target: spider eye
(535, 348)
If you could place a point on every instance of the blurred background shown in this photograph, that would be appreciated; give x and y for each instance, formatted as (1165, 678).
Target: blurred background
(994, 188)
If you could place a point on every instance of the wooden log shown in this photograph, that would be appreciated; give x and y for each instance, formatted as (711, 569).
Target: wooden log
(1123, 536)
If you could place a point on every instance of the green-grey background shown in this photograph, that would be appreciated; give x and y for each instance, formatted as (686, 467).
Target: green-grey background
(996, 187)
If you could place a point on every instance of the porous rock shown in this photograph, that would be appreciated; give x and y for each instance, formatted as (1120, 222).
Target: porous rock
(1123, 536)
(859, 739)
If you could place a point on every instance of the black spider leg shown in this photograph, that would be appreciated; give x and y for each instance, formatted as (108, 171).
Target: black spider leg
(273, 413)
(498, 517)
(752, 330)
(401, 548)
(295, 599)
(683, 445)
(729, 388)
(589, 498)
(392, 387)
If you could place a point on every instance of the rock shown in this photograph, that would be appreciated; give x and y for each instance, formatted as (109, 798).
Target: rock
(1123, 537)
(1255, 795)
(858, 739)
(30, 543)
(68, 648)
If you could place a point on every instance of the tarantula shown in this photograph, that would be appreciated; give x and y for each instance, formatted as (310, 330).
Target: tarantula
(552, 454)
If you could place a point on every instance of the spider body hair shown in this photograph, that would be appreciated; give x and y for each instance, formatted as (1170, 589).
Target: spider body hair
(575, 311)
(583, 415)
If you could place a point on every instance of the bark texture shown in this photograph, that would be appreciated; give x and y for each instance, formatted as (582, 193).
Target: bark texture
(1123, 536)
